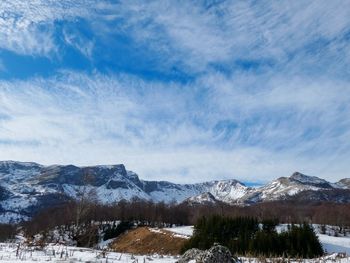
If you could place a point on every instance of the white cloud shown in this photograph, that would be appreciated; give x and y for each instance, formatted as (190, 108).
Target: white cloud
(163, 131)
(291, 115)
(192, 34)
(195, 35)
(79, 42)
(27, 27)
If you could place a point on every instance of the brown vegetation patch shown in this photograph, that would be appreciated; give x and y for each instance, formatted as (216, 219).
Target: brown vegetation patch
(143, 241)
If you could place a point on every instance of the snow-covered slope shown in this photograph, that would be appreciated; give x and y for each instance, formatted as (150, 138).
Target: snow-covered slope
(226, 191)
(284, 187)
(344, 183)
(204, 198)
(234, 192)
(27, 187)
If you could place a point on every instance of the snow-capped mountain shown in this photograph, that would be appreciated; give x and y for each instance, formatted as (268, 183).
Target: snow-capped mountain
(279, 189)
(25, 188)
(344, 183)
(284, 187)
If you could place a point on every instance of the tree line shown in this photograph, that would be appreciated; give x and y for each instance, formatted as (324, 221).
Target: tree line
(161, 214)
(244, 236)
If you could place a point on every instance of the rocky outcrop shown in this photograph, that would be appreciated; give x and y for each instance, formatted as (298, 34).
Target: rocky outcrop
(191, 254)
(216, 254)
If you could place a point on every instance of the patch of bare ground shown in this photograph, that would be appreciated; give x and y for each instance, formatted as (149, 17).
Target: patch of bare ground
(143, 240)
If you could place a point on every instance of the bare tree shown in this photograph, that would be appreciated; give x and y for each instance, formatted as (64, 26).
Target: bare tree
(86, 197)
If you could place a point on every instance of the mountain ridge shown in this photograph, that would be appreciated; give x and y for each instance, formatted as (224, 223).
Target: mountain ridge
(27, 186)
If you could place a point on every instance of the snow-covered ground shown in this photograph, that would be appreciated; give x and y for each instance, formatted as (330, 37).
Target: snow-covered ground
(335, 244)
(335, 258)
(10, 252)
(59, 253)
(185, 231)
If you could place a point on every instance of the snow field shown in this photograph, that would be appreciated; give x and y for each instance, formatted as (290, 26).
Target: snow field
(59, 253)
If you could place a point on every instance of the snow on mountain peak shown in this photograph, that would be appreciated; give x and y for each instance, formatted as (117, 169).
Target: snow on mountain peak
(344, 183)
(307, 179)
(229, 191)
(204, 198)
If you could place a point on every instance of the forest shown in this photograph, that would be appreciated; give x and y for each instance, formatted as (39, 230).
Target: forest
(81, 214)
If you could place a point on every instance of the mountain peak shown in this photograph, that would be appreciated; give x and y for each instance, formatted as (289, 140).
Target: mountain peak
(17, 163)
(344, 183)
(306, 178)
(310, 180)
(298, 175)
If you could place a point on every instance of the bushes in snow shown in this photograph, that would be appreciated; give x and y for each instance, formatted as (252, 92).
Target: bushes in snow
(243, 236)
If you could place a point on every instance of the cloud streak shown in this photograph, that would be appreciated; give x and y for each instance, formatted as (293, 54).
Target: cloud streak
(160, 131)
(183, 91)
(27, 28)
(200, 35)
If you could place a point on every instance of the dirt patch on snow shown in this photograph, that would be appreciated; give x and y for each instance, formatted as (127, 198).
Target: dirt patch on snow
(144, 240)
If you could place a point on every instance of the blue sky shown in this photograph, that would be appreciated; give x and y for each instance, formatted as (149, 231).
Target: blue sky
(184, 91)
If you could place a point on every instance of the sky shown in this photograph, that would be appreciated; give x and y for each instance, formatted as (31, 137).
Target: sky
(185, 91)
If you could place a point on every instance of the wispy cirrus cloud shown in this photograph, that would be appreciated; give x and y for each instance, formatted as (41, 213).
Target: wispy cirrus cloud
(199, 33)
(28, 27)
(183, 91)
(160, 130)
(190, 36)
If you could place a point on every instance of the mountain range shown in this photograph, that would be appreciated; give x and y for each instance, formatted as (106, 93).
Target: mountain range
(27, 187)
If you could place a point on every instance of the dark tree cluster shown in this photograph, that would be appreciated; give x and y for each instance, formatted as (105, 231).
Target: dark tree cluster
(299, 241)
(87, 235)
(243, 236)
(116, 230)
(7, 232)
